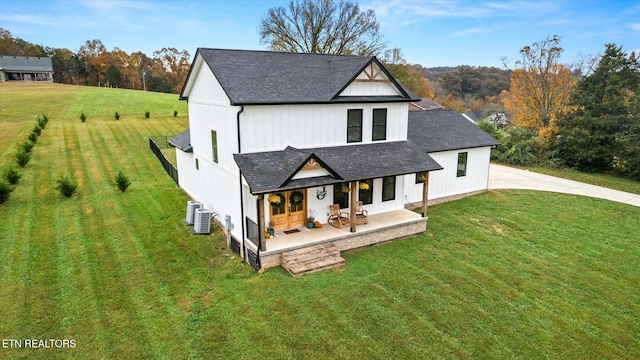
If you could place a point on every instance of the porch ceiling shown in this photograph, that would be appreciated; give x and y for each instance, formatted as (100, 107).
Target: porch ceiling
(273, 170)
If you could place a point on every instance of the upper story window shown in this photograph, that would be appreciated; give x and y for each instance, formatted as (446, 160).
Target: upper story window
(379, 124)
(462, 164)
(354, 125)
(214, 145)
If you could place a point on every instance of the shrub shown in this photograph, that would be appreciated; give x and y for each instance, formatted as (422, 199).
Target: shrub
(122, 181)
(147, 114)
(37, 130)
(22, 158)
(66, 186)
(117, 116)
(27, 146)
(12, 176)
(83, 117)
(42, 121)
(5, 191)
(175, 113)
(33, 138)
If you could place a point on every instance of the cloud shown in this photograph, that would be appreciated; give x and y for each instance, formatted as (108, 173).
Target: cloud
(471, 31)
(635, 26)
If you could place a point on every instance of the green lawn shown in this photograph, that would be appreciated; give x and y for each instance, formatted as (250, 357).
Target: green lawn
(514, 274)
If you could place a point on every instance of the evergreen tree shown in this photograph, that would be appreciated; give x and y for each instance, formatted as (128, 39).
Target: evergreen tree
(593, 134)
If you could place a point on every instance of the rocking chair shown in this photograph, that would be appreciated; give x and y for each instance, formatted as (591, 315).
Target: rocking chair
(362, 216)
(338, 218)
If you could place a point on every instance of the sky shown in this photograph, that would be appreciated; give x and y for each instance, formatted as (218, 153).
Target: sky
(430, 33)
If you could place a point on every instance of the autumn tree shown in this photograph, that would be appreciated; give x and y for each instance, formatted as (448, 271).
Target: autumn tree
(321, 26)
(173, 66)
(7, 44)
(603, 129)
(96, 59)
(540, 87)
(406, 75)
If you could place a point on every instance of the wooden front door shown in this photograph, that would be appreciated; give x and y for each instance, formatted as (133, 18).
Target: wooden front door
(291, 211)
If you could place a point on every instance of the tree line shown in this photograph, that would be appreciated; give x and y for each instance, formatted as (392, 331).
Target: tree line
(94, 65)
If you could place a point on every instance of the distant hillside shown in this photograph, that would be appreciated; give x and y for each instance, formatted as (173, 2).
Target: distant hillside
(466, 82)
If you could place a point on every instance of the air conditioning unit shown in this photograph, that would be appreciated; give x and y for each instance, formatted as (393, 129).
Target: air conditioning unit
(191, 211)
(202, 222)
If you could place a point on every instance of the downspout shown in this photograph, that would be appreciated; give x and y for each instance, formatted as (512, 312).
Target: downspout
(242, 222)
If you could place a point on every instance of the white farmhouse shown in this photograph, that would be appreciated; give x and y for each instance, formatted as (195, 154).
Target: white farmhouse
(275, 139)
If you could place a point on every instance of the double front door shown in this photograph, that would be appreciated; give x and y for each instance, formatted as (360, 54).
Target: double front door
(290, 212)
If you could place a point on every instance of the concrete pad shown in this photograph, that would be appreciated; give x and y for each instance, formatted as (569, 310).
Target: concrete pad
(504, 177)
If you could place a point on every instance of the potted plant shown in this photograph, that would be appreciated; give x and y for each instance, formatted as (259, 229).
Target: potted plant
(311, 219)
(270, 228)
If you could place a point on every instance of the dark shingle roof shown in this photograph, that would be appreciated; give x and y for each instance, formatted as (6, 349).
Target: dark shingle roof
(273, 170)
(182, 141)
(441, 130)
(264, 77)
(25, 63)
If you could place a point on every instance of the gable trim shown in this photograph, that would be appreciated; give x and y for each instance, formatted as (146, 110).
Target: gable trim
(304, 163)
(392, 80)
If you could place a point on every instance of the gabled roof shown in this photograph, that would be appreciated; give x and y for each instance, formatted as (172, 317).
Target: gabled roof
(265, 171)
(425, 104)
(442, 130)
(25, 63)
(265, 77)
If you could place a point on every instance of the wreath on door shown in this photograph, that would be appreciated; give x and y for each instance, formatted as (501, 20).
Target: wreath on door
(296, 198)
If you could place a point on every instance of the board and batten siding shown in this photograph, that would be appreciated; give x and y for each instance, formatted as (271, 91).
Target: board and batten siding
(274, 127)
(368, 88)
(215, 184)
(444, 183)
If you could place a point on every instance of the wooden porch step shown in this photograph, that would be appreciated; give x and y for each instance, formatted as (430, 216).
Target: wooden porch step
(311, 259)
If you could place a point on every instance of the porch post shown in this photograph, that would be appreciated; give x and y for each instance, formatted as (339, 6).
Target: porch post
(425, 193)
(263, 244)
(352, 204)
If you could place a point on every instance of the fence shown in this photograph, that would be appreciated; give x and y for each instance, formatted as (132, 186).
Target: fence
(168, 167)
(253, 232)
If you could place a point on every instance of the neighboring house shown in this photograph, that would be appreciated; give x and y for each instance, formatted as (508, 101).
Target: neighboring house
(459, 146)
(279, 137)
(26, 68)
(499, 119)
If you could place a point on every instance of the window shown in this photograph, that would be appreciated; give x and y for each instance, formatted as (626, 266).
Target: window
(421, 177)
(197, 165)
(462, 164)
(388, 188)
(354, 125)
(214, 145)
(341, 195)
(365, 190)
(379, 124)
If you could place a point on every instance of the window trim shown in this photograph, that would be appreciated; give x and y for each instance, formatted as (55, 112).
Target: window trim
(465, 157)
(384, 186)
(374, 126)
(349, 126)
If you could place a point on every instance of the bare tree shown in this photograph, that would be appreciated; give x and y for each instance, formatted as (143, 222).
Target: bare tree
(321, 26)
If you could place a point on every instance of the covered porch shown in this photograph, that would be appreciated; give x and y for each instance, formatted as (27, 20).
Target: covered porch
(382, 227)
(292, 186)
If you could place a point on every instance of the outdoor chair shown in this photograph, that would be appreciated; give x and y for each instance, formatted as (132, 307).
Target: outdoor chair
(337, 218)
(362, 216)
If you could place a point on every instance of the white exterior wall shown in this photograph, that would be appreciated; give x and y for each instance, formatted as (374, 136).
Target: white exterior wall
(216, 185)
(367, 88)
(443, 183)
(274, 127)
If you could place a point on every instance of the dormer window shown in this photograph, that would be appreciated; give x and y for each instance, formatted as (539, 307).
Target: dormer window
(354, 125)
(379, 125)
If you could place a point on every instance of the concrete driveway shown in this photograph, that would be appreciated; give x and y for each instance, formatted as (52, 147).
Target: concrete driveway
(504, 177)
